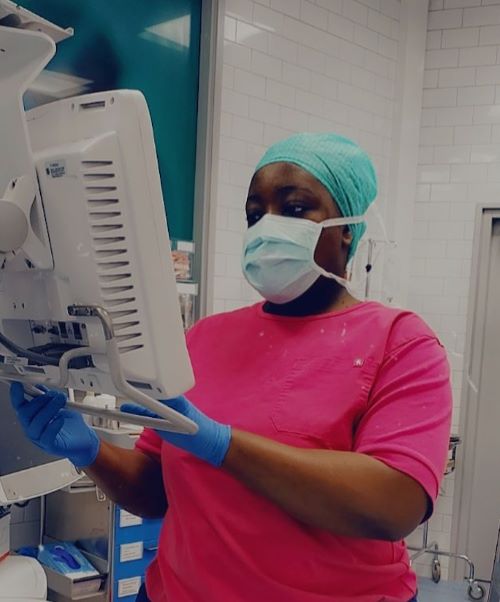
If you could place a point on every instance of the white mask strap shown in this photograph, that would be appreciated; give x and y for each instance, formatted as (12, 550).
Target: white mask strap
(342, 281)
(338, 221)
(343, 221)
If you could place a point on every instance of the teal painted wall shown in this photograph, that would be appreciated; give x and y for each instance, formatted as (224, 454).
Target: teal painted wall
(152, 46)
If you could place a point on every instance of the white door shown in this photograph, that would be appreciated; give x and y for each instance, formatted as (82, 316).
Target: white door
(478, 492)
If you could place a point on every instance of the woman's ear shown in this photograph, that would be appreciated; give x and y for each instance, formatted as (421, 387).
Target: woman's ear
(346, 236)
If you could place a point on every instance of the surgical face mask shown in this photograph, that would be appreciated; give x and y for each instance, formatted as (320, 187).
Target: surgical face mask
(278, 255)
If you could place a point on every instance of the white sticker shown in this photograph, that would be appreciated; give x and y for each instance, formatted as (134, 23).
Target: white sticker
(129, 520)
(129, 587)
(185, 246)
(131, 551)
(187, 288)
(56, 169)
(13, 360)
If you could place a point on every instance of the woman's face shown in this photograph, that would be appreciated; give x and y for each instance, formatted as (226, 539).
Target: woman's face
(287, 189)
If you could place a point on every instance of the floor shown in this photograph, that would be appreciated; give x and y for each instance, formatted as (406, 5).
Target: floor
(445, 591)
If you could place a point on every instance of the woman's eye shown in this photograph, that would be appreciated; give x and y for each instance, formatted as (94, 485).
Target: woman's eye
(294, 210)
(253, 218)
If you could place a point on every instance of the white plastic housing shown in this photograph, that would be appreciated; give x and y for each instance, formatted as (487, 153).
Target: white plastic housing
(98, 175)
(23, 579)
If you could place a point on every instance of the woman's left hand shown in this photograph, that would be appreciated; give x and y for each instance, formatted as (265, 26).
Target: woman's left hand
(210, 443)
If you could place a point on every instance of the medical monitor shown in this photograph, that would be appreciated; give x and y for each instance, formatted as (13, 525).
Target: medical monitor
(108, 246)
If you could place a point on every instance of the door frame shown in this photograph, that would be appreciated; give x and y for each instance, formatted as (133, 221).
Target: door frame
(207, 149)
(469, 403)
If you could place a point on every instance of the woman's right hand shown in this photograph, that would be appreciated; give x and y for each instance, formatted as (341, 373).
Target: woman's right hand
(53, 428)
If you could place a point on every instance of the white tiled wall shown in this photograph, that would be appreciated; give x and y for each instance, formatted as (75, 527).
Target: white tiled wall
(459, 167)
(290, 66)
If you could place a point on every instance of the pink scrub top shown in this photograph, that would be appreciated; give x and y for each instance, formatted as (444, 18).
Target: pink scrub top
(369, 379)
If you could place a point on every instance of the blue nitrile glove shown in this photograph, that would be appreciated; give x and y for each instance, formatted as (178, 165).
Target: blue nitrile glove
(58, 431)
(210, 443)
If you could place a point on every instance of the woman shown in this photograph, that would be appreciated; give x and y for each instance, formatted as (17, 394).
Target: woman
(323, 420)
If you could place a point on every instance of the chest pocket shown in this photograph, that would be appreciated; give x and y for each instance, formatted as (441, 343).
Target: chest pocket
(323, 398)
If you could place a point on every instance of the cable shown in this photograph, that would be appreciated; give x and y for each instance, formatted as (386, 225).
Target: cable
(30, 355)
(66, 358)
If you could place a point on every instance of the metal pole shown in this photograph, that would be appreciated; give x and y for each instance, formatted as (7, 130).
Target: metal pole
(369, 265)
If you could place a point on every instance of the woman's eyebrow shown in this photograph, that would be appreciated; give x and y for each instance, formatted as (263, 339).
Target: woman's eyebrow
(284, 190)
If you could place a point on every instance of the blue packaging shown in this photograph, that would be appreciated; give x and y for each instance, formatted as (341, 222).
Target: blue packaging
(66, 559)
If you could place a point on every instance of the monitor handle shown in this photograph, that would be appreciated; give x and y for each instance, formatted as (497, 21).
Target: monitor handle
(168, 419)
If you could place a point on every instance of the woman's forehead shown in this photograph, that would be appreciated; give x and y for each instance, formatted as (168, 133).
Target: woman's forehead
(281, 175)
(275, 180)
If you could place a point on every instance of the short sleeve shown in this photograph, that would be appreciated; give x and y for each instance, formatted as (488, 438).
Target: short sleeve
(407, 422)
(150, 443)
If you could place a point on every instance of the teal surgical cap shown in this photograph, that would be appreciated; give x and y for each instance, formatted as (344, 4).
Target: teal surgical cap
(343, 168)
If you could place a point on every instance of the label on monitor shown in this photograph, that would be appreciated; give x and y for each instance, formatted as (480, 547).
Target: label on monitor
(55, 169)
(13, 360)
(129, 587)
(131, 551)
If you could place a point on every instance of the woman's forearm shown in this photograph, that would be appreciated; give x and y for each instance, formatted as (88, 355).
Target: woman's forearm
(347, 493)
(131, 479)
